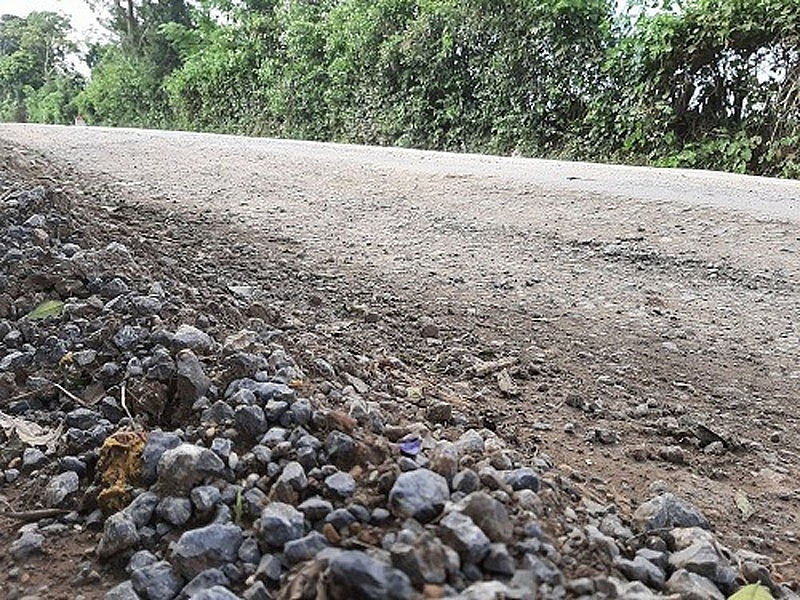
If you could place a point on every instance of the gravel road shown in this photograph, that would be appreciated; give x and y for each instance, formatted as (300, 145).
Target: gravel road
(655, 300)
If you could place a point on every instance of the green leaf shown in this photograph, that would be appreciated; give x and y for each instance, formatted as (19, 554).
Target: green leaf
(752, 592)
(49, 308)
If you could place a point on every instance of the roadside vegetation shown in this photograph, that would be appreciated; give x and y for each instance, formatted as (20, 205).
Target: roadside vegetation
(696, 83)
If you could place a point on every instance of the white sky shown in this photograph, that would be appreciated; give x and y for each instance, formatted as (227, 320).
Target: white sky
(83, 20)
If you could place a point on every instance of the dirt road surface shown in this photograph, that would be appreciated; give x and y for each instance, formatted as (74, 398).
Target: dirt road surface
(641, 327)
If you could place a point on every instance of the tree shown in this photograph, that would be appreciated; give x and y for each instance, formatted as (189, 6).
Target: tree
(34, 54)
(127, 84)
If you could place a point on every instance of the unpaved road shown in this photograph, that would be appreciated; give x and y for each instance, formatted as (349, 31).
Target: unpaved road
(638, 302)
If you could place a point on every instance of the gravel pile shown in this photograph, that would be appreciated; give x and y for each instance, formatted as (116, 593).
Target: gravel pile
(215, 465)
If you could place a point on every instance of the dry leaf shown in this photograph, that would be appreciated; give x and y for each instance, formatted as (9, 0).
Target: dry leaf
(30, 433)
(744, 506)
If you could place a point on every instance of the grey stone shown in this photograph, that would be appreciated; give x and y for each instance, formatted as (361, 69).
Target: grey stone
(128, 336)
(140, 560)
(522, 479)
(354, 574)
(205, 497)
(251, 420)
(33, 458)
(691, 586)
(183, 467)
(601, 541)
(466, 481)
(123, 591)
(257, 591)
(279, 523)
(315, 509)
(274, 436)
(340, 448)
(483, 590)
(424, 562)
(175, 511)
(489, 514)
(60, 487)
(204, 548)
(269, 569)
(499, 560)
(157, 581)
(222, 447)
(263, 390)
(379, 515)
(254, 502)
(641, 569)
(291, 484)
(340, 484)
(218, 413)
(667, 511)
(119, 534)
(249, 551)
(202, 581)
(612, 525)
(459, 532)
(192, 338)
(190, 381)
(301, 412)
(275, 409)
(305, 548)
(26, 545)
(141, 509)
(444, 460)
(582, 586)
(470, 442)
(701, 558)
(420, 494)
(81, 418)
(659, 559)
(215, 593)
(158, 442)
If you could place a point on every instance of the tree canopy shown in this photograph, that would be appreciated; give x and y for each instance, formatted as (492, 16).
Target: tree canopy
(692, 83)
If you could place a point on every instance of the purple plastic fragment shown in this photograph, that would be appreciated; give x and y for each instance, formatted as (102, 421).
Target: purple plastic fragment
(411, 445)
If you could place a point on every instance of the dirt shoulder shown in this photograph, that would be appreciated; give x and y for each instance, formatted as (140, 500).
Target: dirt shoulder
(633, 325)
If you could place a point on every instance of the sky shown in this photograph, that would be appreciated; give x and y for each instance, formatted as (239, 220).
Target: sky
(83, 20)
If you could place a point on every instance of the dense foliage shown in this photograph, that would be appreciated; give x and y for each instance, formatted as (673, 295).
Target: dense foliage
(36, 80)
(693, 83)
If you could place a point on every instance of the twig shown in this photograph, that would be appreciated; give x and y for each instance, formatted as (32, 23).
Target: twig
(134, 424)
(70, 395)
(29, 516)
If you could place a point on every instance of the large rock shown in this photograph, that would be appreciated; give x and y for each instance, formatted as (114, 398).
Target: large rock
(190, 382)
(185, 466)
(119, 534)
(157, 581)
(123, 591)
(424, 562)
(158, 442)
(691, 586)
(460, 533)
(354, 574)
(420, 494)
(279, 523)
(192, 338)
(667, 511)
(489, 514)
(60, 487)
(205, 548)
(215, 593)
